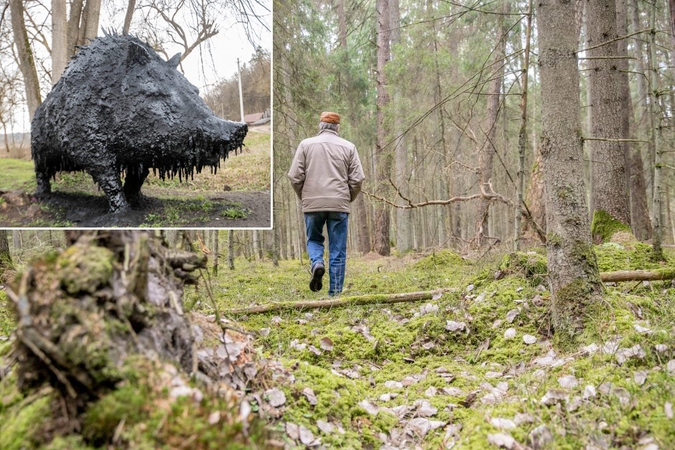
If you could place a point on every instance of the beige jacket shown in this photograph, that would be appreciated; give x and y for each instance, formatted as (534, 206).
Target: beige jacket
(326, 173)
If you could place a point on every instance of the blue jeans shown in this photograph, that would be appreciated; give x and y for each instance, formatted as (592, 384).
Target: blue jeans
(336, 222)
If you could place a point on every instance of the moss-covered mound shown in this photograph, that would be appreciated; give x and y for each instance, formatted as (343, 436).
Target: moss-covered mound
(104, 354)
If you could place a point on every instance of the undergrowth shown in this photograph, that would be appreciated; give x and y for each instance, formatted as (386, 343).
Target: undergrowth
(459, 369)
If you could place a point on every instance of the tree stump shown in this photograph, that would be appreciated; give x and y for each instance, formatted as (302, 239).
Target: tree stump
(83, 313)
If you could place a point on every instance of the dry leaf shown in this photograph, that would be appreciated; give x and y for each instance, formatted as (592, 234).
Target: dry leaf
(309, 395)
(326, 344)
(568, 381)
(451, 325)
(510, 333)
(529, 339)
(325, 427)
(502, 424)
(668, 410)
(502, 440)
(275, 397)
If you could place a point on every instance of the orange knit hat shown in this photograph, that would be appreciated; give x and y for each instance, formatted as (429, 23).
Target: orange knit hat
(330, 117)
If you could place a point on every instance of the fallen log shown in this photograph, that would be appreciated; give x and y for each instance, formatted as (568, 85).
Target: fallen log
(342, 302)
(637, 275)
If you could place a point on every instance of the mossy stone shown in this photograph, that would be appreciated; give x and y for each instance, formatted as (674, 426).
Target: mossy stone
(84, 268)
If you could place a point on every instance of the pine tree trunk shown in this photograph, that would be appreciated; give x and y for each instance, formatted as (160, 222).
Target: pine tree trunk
(230, 249)
(608, 157)
(573, 271)
(216, 250)
(640, 222)
(488, 149)
(383, 156)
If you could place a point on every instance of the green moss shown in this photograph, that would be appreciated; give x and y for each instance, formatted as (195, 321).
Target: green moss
(613, 256)
(529, 265)
(84, 268)
(440, 258)
(604, 226)
(20, 425)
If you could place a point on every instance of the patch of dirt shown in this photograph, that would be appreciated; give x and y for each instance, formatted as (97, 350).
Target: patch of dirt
(218, 210)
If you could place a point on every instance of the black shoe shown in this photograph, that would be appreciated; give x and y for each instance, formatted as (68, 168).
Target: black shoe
(317, 273)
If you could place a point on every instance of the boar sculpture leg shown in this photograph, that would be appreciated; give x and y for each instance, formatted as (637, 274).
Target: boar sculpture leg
(119, 108)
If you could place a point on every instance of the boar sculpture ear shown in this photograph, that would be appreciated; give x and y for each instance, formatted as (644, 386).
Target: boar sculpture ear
(137, 54)
(174, 61)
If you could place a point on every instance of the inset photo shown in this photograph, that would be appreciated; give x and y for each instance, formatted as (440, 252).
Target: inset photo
(136, 114)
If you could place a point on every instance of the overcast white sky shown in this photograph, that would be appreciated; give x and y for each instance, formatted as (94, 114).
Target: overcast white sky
(214, 60)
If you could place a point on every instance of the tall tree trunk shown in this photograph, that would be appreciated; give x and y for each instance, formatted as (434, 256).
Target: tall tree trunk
(488, 149)
(573, 271)
(640, 221)
(215, 248)
(657, 212)
(74, 25)
(610, 193)
(90, 19)
(383, 156)
(25, 56)
(5, 256)
(230, 249)
(131, 7)
(59, 39)
(403, 216)
(522, 133)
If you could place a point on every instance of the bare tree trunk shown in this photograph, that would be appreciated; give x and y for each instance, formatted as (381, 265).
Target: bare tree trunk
(215, 248)
(92, 12)
(403, 216)
(5, 256)
(230, 249)
(640, 222)
(488, 149)
(59, 39)
(257, 252)
(610, 193)
(131, 6)
(74, 25)
(573, 271)
(383, 161)
(25, 57)
(522, 134)
(657, 235)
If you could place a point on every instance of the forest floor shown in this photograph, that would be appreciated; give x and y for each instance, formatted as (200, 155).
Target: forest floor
(473, 367)
(238, 196)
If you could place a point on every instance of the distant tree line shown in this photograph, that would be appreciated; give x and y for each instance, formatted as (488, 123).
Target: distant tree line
(255, 80)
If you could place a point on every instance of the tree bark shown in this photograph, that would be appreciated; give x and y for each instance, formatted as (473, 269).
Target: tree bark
(573, 270)
(25, 57)
(640, 221)
(131, 7)
(230, 249)
(383, 156)
(488, 149)
(5, 255)
(609, 194)
(59, 39)
(215, 235)
(657, 220)
(403, 217)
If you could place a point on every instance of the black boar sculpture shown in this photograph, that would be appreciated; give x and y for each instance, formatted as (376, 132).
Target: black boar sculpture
(119, 108)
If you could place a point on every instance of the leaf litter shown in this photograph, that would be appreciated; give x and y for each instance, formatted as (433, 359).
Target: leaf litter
(422, 384)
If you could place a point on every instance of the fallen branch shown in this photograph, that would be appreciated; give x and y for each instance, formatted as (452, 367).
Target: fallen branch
(638, 275)
(342, 302)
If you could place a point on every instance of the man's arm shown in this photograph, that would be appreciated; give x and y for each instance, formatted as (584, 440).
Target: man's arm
(356, 176)
(297, 172)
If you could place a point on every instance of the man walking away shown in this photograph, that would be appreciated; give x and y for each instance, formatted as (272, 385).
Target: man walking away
(326, 174)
